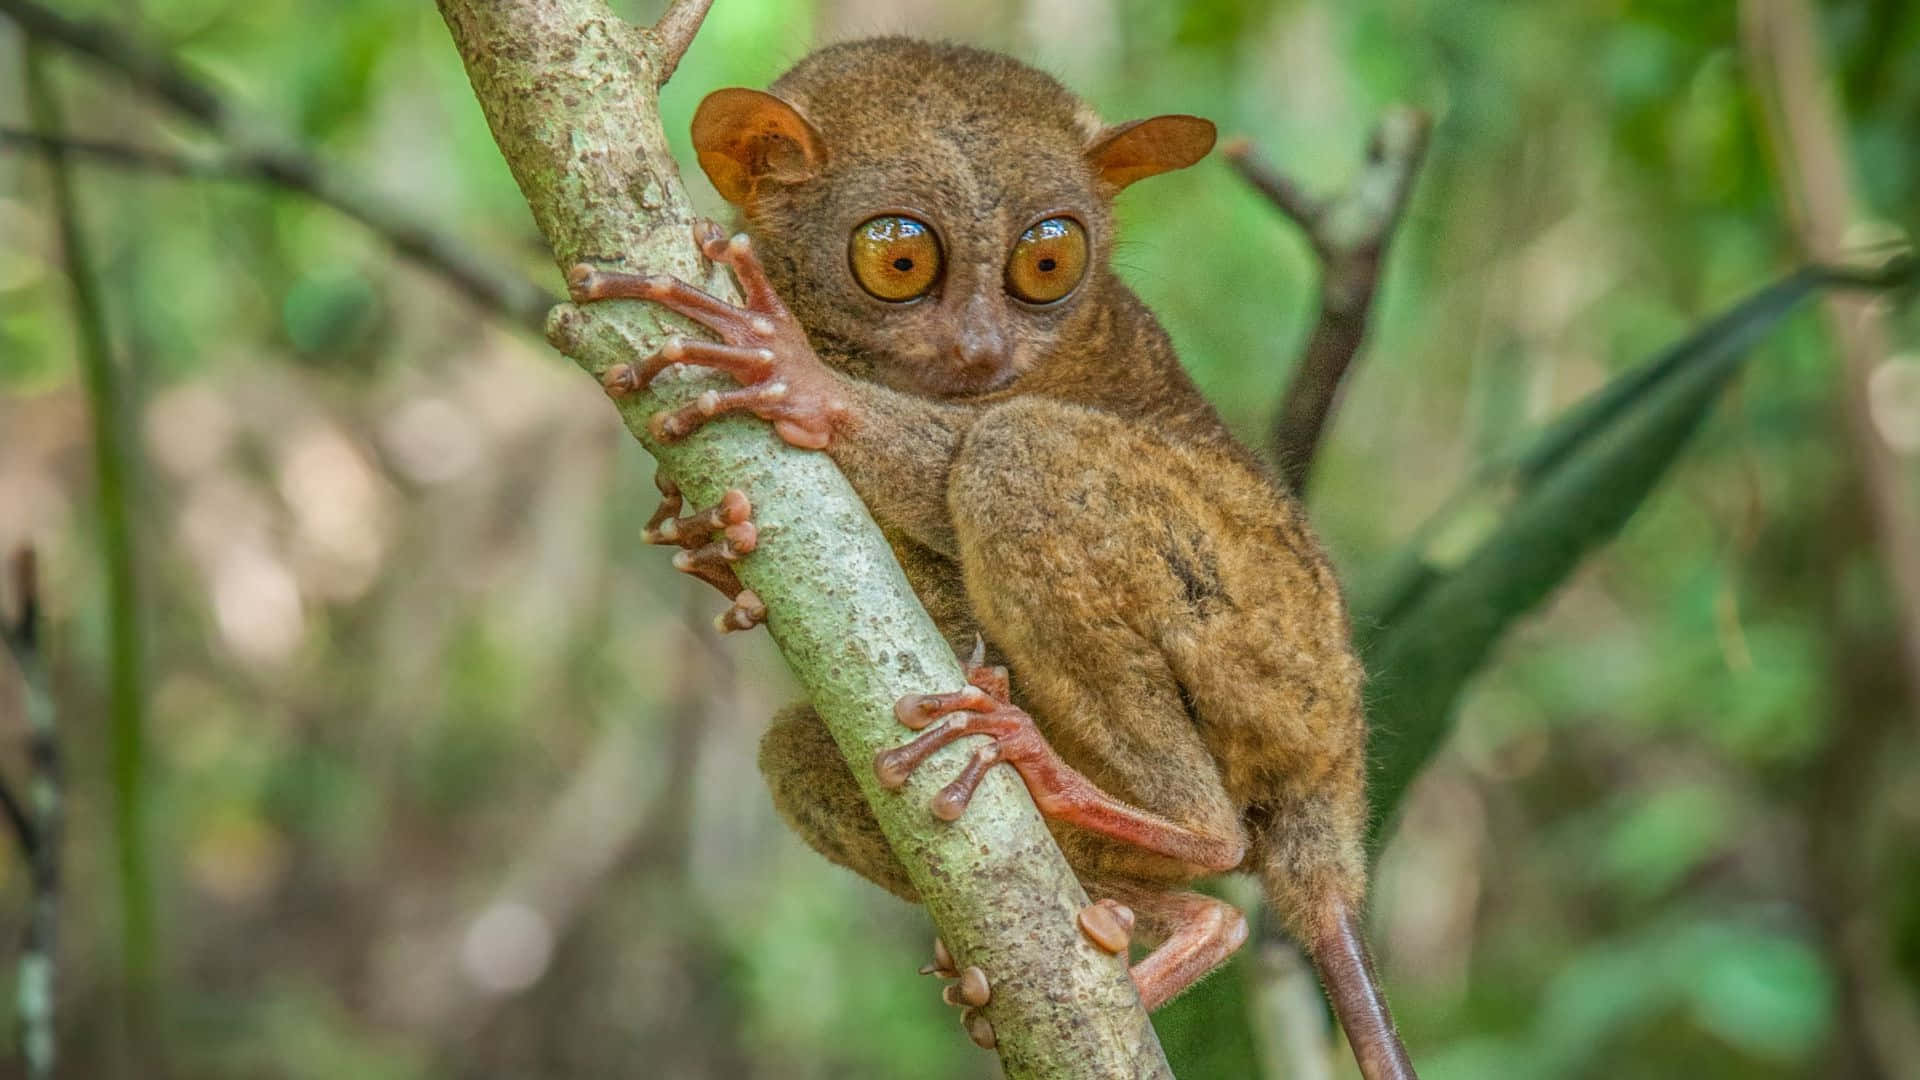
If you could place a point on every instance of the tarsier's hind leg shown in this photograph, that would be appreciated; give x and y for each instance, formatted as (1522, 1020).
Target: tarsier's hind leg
(815, 792)
(1060, 579)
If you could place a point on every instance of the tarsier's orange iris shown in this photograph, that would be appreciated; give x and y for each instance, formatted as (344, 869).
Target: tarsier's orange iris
(894, 258)
(1048, 261)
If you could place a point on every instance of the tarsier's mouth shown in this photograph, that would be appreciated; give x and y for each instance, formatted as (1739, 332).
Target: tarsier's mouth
(973, 385)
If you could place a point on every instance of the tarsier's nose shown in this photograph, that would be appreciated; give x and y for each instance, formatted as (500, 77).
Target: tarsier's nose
(982, 355)
(983, 363)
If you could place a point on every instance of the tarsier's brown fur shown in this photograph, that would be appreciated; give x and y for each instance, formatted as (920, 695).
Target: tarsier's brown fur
(1053, 482)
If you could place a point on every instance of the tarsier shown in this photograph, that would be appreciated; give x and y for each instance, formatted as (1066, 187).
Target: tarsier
(928, 299)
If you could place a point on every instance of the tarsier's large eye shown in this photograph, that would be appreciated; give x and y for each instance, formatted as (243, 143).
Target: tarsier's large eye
(1048, 260)
(894, 258)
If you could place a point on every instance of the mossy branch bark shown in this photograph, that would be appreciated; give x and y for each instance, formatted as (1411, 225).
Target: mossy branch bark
(571, 94)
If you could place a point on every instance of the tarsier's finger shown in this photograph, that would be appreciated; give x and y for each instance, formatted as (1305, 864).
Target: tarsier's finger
(737, 253)
(588, 284)
(669, 504)
(731, 517)
(746, 364)
(761, 399)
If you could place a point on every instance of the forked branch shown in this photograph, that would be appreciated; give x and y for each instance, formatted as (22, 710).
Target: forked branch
(1349, 234)
(674, 33)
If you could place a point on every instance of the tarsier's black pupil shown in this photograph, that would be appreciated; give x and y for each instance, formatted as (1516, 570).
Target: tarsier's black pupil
(1046, 266)
(903, 264)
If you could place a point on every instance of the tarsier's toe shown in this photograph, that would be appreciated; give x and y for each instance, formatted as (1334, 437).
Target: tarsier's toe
(979, 1029)
(1108, 924)
(942, 964)
(747, 612)
(969, 993)
(972, 990)
(711, 238)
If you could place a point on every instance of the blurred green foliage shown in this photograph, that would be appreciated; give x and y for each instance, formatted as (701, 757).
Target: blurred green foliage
(412, 670)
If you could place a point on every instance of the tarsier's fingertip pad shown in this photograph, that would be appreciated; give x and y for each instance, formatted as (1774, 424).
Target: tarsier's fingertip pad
(619, 380)
(973, 987)
(979, 1029)
(738, 618)
(580, 281)
(912, 712)
(890, 770)
(1105, 927)
(949, 804)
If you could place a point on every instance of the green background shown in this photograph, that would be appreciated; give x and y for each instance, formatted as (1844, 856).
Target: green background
(448, 777)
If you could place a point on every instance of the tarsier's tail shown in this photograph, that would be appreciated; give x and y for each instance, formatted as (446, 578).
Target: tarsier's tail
(1314, 879)
(1346, 968)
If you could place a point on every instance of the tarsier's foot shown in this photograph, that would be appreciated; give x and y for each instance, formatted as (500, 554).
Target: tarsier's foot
(983, 708)
(969, 994)
(711, 541)
(761, 345)
(1058, 790)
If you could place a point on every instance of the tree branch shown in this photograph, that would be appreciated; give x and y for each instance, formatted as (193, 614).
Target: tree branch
(674, 33)
(275, 159)
(118, 155)
(115, 487)
(39, 825)
(1782, 48)
(1349, 234)
(570, 92)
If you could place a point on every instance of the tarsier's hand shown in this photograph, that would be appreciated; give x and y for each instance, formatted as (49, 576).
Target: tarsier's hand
(761, 345)
(711, 541)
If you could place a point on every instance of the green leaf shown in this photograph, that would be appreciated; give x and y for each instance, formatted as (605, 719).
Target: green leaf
(1521, 527)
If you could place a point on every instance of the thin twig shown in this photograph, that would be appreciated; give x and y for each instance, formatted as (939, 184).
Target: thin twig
(1349, 234)
(277, 160)
(150, 68)
(1289, 1014)
(1810, 158)
(39, 826)
(119, 155)
(675, 32)
(114, 487)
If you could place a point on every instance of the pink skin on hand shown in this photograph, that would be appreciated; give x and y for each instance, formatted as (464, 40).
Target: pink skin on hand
(761, 345)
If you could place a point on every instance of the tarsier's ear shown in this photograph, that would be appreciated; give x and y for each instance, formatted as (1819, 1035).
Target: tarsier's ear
(745, 138)
(1127, 152)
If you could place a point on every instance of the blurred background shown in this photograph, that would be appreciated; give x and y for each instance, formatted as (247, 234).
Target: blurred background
(428, 767)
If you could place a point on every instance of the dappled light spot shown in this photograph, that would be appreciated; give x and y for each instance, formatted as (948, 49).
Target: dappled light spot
(507, 947)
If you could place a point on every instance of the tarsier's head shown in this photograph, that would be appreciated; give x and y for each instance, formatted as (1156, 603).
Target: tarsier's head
(938, 217)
